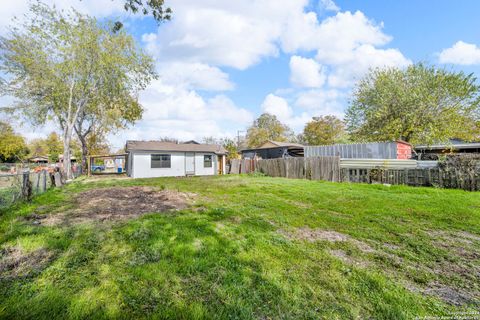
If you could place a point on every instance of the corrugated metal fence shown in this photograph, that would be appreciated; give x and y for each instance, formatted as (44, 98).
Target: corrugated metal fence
(383, 150)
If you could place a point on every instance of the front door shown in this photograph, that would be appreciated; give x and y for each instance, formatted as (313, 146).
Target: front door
(189, 163)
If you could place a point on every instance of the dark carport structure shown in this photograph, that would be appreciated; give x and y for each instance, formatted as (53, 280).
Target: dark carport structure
(274, 149)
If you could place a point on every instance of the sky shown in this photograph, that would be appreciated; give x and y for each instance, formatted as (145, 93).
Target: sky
(223, 63)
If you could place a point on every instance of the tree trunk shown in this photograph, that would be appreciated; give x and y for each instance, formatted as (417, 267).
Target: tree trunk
(67, 156)
(83, 142)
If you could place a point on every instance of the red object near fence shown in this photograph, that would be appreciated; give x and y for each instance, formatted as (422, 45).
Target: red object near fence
(404, 150)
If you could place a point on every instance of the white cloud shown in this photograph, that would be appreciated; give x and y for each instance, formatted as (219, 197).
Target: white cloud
(320, 102)
(329, 5)
(337, 34)
(306, 72)
(360, 61)
(461, 53)
(195, 76)
(347, 43)
(277, 106)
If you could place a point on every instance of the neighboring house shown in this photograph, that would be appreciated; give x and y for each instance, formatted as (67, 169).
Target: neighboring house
(148, 159)
(454, 146)
(274, 149)
(373, 150)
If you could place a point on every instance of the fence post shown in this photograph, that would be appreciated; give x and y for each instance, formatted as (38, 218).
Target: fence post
(26, 186)
(44, 172)
(37, 187)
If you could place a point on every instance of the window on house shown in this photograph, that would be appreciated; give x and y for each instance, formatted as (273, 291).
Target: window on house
(160, 161)
(207, 161)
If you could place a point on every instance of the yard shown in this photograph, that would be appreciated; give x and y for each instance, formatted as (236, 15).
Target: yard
(240, 247)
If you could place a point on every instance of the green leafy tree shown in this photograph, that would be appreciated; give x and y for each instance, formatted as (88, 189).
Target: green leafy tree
(97, 121)
(54, 146)
(65, 66)
(12, 146)
(324, 130)
(419, 104)
(267, 127)
(231, 146)
(97, 143)
(37, 147)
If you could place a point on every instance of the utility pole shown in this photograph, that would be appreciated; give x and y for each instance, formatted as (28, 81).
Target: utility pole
(238, 138)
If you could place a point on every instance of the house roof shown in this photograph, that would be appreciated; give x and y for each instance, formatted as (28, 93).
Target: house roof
(171, 146)
(280, 144)
(270, 144)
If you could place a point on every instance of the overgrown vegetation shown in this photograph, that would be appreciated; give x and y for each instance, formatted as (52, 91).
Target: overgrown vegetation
(247, 247)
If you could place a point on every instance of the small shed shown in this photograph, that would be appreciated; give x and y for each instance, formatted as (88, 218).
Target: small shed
(372, 150)
(274, 149)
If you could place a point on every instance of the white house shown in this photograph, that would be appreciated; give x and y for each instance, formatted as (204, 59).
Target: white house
(148, 159)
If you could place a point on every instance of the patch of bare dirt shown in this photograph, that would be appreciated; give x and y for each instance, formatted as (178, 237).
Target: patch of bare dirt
(313, 235)
(317, 234)
(117, 203)
(450, 295)
(14, 263)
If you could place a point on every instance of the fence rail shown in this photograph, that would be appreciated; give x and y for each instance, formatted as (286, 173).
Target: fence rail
(330, 169)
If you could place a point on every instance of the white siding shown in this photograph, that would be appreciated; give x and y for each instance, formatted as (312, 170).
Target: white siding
(199, 168)
(141, 165)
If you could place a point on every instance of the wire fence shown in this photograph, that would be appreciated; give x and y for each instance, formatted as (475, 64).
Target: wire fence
(26, 183)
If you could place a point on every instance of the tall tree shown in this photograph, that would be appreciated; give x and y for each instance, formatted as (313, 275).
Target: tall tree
(12, 146)
(419, 104)
(64, 65)
(324, 130)
(231, 146)
(267, 127)
(103, 117)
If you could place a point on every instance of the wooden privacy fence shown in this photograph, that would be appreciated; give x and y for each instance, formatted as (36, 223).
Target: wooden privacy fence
(316, 168)
(242, 166)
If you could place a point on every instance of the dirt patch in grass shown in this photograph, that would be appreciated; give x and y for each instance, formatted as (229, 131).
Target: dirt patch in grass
(14, 263)
(117, 203)
(313, 235)
(452, 296)
(316, 234)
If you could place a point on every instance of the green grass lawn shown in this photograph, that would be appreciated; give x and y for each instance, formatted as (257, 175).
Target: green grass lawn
(248, 247)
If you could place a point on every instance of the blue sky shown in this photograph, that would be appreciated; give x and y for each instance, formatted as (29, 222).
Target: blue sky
(222, 63)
